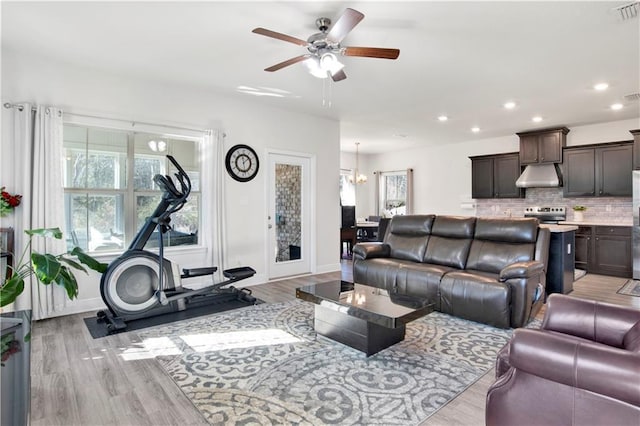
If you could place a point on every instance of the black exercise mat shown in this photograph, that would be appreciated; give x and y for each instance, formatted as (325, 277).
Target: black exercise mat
(99, 329)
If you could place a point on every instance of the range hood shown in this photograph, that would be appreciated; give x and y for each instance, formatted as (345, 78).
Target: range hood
(539, 176)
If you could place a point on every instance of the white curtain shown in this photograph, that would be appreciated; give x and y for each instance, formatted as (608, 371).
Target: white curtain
(377, 175)
(409, 201)
(38, 156)
(213, 198)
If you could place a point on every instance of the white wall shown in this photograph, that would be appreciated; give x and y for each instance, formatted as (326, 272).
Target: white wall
(442, 174)
(90, 91)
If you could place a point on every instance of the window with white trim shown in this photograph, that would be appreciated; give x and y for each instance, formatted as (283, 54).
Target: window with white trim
(109, 188)
(347, 188)
(393, 193)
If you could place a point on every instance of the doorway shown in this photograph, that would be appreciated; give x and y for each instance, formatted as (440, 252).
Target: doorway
(289, 239)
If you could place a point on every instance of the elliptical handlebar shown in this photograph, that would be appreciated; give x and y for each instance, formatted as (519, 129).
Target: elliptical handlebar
(173, 199)
(172, 193)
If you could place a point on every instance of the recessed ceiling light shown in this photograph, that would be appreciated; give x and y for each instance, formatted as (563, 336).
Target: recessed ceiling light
(475, 129)
(510, 105)
(443, 118)
(536, 119)
(616, 107)
(601, 86)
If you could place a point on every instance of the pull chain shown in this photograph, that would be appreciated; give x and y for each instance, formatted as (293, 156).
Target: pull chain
(326, 91)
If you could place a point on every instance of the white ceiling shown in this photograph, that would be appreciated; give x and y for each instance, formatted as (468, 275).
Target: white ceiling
(462, 59)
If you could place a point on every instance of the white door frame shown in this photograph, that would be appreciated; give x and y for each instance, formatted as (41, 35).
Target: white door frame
(275, 270)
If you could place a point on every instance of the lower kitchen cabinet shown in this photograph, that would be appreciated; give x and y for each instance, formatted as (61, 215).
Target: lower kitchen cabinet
(605, 250)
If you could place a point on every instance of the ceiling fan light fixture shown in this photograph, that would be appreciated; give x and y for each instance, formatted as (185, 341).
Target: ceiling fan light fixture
(313, 66)
(324, 65)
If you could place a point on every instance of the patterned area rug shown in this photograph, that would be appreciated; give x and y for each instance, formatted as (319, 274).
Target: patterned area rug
(630, 288)
(265, 365)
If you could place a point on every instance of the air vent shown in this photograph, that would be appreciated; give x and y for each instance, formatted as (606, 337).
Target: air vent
(632, 97)
(628, 11)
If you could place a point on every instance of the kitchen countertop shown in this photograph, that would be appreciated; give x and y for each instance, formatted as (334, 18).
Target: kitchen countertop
(559, 228)
(596, 223)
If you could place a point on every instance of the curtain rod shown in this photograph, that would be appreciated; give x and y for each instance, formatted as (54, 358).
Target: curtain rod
(392, 171)
(18, 107)
(132, 122)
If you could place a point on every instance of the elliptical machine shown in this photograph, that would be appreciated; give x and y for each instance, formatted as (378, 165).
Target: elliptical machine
(141, 284)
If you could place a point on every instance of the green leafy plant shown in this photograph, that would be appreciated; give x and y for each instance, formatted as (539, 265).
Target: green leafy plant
(579, 208)
(47, 268)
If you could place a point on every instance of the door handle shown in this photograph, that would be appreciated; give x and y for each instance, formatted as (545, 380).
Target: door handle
(269, 226)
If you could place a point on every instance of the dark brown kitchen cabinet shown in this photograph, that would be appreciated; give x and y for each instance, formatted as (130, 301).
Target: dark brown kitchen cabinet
(542, 146)
(636, 148)
(494, 176)
(583, 246)
(598, 171)
(604, 250)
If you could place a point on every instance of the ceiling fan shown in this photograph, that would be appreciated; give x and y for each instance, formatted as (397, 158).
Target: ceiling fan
(324, 46)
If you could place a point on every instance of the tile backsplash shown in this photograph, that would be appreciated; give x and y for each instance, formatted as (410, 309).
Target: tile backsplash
(605, 209)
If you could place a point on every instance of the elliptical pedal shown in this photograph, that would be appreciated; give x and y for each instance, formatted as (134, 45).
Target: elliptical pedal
(236, 274)
(113, 323)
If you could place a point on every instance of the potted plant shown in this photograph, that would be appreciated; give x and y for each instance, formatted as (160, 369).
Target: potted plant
(578, 213)
(47, 268)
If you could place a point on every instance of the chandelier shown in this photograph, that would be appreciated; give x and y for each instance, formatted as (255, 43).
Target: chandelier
(358, 177)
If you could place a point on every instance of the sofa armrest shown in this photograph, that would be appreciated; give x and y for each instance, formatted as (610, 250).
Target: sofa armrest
(521, 270)
(590, 366)
(600, 322)
(371, 250)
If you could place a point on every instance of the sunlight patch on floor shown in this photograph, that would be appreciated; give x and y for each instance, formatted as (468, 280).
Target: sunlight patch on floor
(238, 339)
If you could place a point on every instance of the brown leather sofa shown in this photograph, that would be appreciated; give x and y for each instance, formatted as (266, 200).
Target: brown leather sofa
(581, 368)
(483, 269)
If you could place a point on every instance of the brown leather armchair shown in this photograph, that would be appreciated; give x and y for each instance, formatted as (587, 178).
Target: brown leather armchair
(581, 368)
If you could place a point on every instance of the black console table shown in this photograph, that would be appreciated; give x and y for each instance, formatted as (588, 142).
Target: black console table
(15, 380)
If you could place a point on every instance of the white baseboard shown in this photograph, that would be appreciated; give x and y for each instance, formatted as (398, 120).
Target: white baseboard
(78, 307)
(332, 267)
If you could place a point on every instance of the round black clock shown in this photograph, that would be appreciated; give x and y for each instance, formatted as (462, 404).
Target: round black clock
(242, 163)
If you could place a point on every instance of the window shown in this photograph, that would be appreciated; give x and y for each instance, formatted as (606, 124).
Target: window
(393, 193)
(109, 188)
(347, 188)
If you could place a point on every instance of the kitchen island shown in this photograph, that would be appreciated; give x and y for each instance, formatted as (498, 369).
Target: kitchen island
(561, 265)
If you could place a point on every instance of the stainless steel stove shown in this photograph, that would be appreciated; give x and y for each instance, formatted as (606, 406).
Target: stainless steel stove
(547, 214)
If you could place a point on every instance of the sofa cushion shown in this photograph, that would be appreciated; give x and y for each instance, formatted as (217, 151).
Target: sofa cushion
(477, 297)
(450, 241)
(493, 256)
(501, 242)
(422, 279)
(408, 236)
(377, 272)
(519, 230)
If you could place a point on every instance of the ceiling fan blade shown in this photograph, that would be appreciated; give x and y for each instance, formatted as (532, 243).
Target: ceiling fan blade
(286, 63)
(371, 52)
(279, 36)
(339, 76)
(345, 23)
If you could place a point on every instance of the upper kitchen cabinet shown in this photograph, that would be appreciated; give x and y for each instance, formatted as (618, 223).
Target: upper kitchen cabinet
(636, 148)
(542, 146)
(494, 176)
(598, 171)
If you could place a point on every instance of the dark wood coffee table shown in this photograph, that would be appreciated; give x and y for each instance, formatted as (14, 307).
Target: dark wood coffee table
(365, 318)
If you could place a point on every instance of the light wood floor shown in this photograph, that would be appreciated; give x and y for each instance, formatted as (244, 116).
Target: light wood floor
(76, 380)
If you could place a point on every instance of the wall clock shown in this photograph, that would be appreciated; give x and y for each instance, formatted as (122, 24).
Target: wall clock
(242, 163)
